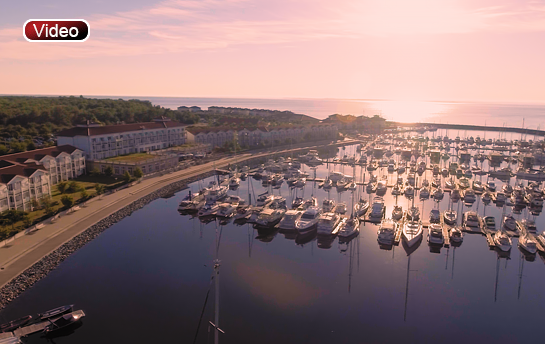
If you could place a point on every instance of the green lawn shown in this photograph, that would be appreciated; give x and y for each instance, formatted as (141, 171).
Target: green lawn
(131, 157)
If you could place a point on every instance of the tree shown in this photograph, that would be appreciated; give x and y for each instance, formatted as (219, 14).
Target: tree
(95, 172)
(84, 195)
(99, 189)
(27, 222)
(138, 173)
(3, 150)
(67, 201)
(62, 187)
(109, 171)
(30, 146)
(12, 216)
(127, 176)
(73, 186)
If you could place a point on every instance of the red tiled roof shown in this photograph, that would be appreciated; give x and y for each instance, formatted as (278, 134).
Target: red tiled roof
(8, 173)
(117, 128)
(38, 154)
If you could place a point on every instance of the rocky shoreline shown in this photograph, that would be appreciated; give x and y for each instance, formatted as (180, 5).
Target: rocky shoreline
(40, 269)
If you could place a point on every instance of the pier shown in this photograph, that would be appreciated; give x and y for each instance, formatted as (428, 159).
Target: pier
(37, 327)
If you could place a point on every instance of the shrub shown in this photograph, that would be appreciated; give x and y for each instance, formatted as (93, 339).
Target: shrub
(67, 201)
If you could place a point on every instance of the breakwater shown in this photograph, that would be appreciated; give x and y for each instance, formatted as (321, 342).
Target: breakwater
(41, 268)
(471, 127)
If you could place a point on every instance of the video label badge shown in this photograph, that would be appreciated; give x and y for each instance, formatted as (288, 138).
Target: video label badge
(56, 30)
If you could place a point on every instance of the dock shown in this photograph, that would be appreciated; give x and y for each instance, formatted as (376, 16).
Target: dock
(397, 236)
(489, 239)
(40, 326)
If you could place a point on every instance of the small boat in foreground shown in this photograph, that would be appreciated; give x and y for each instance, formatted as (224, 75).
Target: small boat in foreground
(56, 312)
(63, 322)
(15, 324)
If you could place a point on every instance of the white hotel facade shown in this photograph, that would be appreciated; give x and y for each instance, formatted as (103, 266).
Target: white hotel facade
(105, 141)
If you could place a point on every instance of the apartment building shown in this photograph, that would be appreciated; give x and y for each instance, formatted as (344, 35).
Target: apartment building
(29, 175)
(104, 141)
(218, 136)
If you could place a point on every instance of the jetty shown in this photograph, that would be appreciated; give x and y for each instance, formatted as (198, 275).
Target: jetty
(37, 327)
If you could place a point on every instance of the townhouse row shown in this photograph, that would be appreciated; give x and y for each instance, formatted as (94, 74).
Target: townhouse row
(217, 136)
(29, 175)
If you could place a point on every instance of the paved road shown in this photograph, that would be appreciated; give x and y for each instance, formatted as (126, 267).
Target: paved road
(23, 252)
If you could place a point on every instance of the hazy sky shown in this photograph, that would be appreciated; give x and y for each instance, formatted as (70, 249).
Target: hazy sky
(395, 49)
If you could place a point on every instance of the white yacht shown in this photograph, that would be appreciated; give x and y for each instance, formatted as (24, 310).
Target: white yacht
(234, 181)
(469, 196)
(435, 234)
(438, 194)
(502, 241)
(413, 214)
(424, 193)
(409, 191)
(396, 190)
(328, 205)
(208, 209)
(510, 223)
(192, 202)
(270, 217)
(386, 232)
(216, 193)
(264, 200)
(489, 223)
(360, 208)
(435, 216)
(289, 219)
(349, 228)
(412, 232)
(397, 213)
(450, 217)
(377, 209)
(456, 235)
(328, 223)
(528, 243)
(381, 187)
(308, 220)
(243, 211)
(226, 210)
(455, 195)
(471, 220)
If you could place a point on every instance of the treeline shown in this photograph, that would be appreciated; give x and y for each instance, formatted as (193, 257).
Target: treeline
(68, 111)
(31, 122)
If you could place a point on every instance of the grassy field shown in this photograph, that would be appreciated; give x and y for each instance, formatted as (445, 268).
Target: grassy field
(131, 157)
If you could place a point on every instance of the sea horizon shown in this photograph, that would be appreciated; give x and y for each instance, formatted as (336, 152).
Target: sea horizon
(484, 113)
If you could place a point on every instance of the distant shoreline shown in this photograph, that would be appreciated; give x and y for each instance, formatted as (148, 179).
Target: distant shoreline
(471, 127)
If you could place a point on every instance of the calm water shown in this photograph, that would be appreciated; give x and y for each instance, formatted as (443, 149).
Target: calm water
(478, 113)
(145, 280)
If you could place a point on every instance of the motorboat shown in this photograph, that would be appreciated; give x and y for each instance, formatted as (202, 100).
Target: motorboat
(301, 182)
(192, 202)
(308, 220)
(478, 186)
(209, 209)
(63, 322)
(328, 205)
(471, 220)
(340, 208)
(297, 201)
(507, 189)
(386, 232)
(491, 186)
(413, 214)
(444, 172)
(264, 200)
(371, 187)
(529, 226)
(500, 198)
(489, 223)
(486, 197)
(55, 312)
(349, 228)
(234, 182)
(360, 208)
(509, 223)
(328, 184)
(311, 202)
(397, 213)
(527, 243)
(469, 196)
(243, 212)
(435, 216)
(438, 194)
(449, 184)
(412, 232)
(541, 238)
(456, 235)
(450, 217)
(435, 234)
(15, 324)
(409, 191)
(289, 219)
(396, 190)
(463, 183)
(270, 217)
(381, 187)
(216, 193)
(424, 193)
(328, 223)
(377, 209)
(254, 214)
(502, 241)
(226, 210)
(455, 195)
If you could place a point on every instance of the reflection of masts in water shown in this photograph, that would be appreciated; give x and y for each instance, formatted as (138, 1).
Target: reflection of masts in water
(497, 276)
(453, 257)
(446, 262)
(250, 240)
(350, 264)
(407, 288)
(521, 270)
(216, 322)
